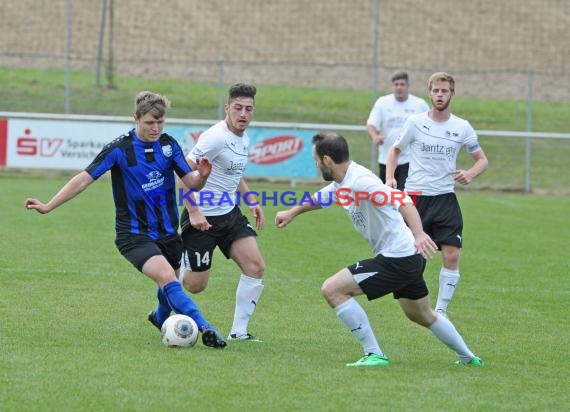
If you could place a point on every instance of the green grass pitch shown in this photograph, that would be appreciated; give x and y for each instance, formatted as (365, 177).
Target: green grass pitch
(74, 334)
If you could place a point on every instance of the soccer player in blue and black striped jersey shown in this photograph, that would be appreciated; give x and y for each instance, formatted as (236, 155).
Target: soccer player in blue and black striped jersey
(142, 163)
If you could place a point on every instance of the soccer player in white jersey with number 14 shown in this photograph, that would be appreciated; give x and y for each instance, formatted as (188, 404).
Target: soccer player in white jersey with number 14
(220, 222)
(434, 139)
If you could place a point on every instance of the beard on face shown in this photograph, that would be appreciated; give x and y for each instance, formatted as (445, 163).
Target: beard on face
(440, 108)
(327, 174)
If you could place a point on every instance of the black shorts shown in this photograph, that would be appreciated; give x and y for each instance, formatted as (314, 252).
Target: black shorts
(199, 246)
(441, 218)
(137, 249)
(401, 276)
(400, 174)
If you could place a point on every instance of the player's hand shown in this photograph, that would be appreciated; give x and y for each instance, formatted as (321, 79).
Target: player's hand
(35, 204)
(425, 245)
(283, 218)
(391, 182)
(378, 140)
(204, 167)
(463, 177)
(199, 221)
(257, 213)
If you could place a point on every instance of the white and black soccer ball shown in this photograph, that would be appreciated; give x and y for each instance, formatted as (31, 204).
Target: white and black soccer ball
(179, 331)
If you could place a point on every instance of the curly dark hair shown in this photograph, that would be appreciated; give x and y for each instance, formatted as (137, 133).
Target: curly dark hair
(242, 90)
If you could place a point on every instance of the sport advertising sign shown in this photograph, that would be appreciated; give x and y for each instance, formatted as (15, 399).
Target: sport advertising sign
(73, 144)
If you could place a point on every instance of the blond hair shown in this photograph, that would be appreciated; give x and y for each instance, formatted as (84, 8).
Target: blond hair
(441, 77)
(149, 102)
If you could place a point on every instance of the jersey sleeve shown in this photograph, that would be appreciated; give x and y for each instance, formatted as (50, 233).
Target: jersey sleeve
(326, 196)
(380, 194)
(105, 160)
(375, 118)
(470, 141)
(208, 145)
(406, 135)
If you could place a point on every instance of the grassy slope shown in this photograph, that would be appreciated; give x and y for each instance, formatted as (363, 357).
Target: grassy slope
(37, 91)
(43, 91)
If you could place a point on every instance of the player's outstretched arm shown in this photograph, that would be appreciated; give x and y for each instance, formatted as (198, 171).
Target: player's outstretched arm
(375, 135)
(424, 244)
(465, 177)
(76, 185)
(197, 179)
(197, 219)
(284, 217)
(255, 207)
(391, 163)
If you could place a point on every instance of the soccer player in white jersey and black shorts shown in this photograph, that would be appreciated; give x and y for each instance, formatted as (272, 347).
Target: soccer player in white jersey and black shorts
(217, 221)
(399, 251)
(387, 118)
(434, 139)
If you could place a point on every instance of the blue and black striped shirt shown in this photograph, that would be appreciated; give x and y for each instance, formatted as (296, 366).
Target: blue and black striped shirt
(144, 187)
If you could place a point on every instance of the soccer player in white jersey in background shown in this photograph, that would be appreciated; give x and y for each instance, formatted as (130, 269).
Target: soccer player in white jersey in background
(387, 118)
(399, 251)
(220, 223)
(434, 139)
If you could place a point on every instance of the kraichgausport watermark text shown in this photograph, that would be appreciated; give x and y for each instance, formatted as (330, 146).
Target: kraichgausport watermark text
(343, 196)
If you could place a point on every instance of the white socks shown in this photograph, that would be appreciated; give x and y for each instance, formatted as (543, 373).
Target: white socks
(247, 294)
(448, 280)
(444, 330)
(356, 320)
(184, 265)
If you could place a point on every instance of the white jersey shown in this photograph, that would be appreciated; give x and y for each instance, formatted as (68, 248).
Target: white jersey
(228, 154)
(383, 227)
(434, 147)
(388, 115)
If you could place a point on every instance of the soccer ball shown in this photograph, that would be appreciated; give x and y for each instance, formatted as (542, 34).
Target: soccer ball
(179, 331)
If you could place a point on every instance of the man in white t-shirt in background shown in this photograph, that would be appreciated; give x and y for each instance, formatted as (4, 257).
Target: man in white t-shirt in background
(387, 219)
(216, 220)
(387, 117)
(434, 139)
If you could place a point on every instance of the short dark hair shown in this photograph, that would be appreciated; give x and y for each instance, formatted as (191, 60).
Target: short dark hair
(241, 90)
(333, 145)
(400, 75)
